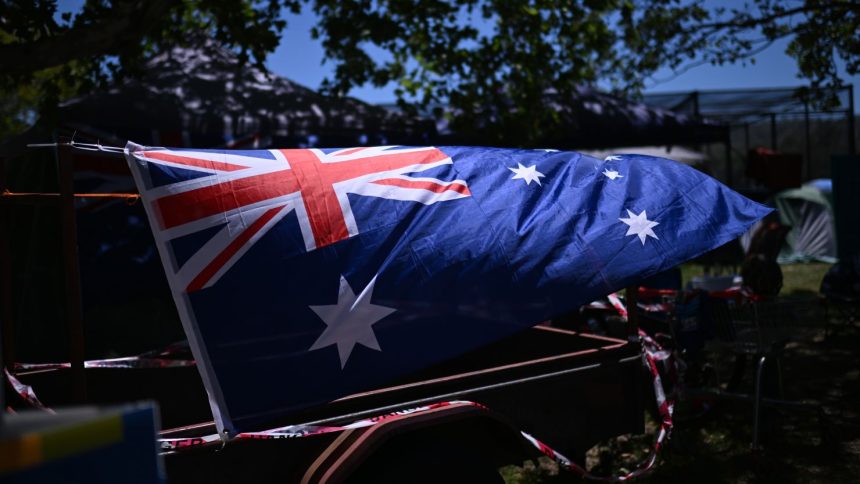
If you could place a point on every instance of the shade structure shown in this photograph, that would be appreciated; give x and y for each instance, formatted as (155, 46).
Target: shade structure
(598, 119)
(204, 96)
(591, 119)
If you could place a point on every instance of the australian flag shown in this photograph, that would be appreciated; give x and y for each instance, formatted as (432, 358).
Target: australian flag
(303, 275)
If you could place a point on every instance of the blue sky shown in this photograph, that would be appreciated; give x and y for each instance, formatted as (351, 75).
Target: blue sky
(300, 58)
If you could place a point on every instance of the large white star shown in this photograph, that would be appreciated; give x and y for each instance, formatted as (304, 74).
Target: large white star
(350, 321)
(529, 174)
(612, 174)
(640, 225)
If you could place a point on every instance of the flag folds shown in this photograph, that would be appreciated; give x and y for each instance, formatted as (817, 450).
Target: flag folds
(309, 274)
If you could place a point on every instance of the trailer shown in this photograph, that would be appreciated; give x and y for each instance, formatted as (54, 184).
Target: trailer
(569, 389)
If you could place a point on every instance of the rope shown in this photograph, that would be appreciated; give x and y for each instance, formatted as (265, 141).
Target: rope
(131, 198)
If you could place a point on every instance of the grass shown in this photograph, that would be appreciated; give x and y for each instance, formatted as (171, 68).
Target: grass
(798, 280)
(714, 446)
(802, 278)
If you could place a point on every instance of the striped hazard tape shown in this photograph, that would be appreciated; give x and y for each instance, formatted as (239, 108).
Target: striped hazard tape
(653, 355)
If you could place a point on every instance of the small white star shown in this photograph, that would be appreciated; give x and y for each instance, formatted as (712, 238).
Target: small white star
(350, 321)
(640, 225)
(529, 174)
(612, 174)
(612, 158)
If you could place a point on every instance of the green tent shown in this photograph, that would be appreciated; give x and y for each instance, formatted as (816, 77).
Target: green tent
(809, 212)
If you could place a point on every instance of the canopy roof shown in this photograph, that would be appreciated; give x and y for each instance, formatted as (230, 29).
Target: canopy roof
(204, 97)
(597, 119)
(739, 106)
(592, 119)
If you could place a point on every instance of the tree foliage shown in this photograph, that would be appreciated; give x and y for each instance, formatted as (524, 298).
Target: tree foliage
(44, 60)
(497, 64)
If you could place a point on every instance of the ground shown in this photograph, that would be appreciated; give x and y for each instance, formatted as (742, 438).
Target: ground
(817, 444)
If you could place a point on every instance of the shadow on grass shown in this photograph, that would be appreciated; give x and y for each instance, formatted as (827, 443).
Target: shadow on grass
(822, 445)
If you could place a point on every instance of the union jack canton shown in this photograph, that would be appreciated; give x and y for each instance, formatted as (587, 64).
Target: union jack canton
(247, 193)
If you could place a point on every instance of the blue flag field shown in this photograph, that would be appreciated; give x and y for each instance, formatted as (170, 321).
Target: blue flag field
(304, 275)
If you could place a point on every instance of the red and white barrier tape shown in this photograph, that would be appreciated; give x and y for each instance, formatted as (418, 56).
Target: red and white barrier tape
(665, 408)
(25, 392)
(174, 355)
(147, 360)
(653, 353)
(127, 362)
(297, 431)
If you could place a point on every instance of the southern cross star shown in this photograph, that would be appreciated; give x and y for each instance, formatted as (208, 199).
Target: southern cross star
(350, 321)
(612, 158)
(612, 174)
(529, 174)
(640, 225)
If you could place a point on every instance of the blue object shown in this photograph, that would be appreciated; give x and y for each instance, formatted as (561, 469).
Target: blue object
(305, 275)
(82, 445)
(825, 185)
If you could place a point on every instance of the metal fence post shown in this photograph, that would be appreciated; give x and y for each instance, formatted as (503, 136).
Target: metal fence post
(71, 273)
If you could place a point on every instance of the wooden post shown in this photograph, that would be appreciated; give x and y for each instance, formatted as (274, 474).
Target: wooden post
(71, 273)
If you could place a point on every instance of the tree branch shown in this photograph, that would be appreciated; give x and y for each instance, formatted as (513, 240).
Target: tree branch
(755, 22)
(707, 60)
(128, 22)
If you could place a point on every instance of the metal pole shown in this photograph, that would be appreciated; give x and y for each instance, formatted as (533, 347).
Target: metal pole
(71, 273)
(773, 131)
(696, 105)
(631, 295)
(7, 331)
(852, 142)
(808, 165)
(759, 373)
(729, 168)
(696, 113)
